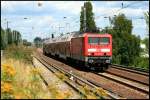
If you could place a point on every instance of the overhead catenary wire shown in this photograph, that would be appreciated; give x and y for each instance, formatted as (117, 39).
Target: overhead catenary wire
(111, 12)
(123, 7)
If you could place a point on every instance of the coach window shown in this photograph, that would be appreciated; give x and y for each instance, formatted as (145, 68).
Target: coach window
(104, 40)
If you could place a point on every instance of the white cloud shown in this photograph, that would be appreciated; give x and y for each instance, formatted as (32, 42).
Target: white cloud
(11, 5)
(113, 3)
(139, 24)
(116, 10)
(32, 27)
(73, 7)
(133, 12)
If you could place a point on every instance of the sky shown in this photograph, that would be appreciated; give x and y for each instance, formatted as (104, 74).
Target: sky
(32, 20)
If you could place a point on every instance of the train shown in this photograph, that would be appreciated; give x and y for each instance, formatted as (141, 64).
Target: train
(92, 50)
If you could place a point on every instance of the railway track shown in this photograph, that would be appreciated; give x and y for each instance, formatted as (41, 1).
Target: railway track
(128, 82)
(131, 69)
(129, 74)
(54, 71)
(135, 88)
(77, 79)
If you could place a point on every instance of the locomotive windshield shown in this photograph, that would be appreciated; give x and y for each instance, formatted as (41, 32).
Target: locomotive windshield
(93, 40)
(104, 40)
(98, 40)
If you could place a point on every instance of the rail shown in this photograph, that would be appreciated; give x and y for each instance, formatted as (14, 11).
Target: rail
(97, 83)
(89, 83)
(128, 84)
(133, 69)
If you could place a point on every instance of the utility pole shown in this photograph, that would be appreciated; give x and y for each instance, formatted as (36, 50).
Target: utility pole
(84, 19)
(52, 32)
(68, 29)
(7, 25)
(122, 5)
(110, 20)
(65, 27)
(60, 28)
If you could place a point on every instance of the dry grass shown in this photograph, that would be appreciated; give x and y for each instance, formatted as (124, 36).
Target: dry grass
(19, 53)
(21, 81)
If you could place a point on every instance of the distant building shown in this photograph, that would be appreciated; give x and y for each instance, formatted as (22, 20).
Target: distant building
(143, 46)
(144, 53)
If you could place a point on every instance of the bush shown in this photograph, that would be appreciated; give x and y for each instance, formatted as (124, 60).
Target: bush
(19, 52)
(142, 62)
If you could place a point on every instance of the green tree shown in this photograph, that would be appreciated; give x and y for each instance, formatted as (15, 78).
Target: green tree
(2, 39)
(16, 37)
(146, 42)
(146, 15)
(26, 43)
(9, 36)
(38, 42)
(90, 23)
(125, 45)
(82, 19)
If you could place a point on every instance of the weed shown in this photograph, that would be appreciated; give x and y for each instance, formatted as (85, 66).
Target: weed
(20, 81)
(19, 52)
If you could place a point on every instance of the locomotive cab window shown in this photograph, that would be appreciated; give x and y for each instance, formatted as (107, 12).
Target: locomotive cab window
(93, 40)
(98, 40)
(104, 40)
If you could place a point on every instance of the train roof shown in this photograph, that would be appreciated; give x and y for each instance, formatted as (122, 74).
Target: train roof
(64, 37)
(96, 34)
(69, 36)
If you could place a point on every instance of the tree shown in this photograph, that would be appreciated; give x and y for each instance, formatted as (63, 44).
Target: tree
(38, 42)
(146, 15)
(82, 19)
(146, 42)
(26, 43)
(125, 45)
(16, 37)
(9, 35)
(90, 23)
(3, 43)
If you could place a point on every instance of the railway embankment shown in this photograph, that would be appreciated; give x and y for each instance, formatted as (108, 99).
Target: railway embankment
(20, 80)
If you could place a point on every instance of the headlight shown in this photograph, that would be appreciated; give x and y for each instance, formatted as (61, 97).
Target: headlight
(107, 61)
(91, 61)
(105, 50)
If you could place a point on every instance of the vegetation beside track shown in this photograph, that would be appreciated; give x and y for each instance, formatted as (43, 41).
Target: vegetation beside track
(20, 81)
(20, 52)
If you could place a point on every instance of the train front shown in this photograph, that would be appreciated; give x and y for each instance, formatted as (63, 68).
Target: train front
(98, 50)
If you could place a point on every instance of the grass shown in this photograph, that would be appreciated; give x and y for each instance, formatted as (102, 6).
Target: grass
(19, 53)
(20, 81)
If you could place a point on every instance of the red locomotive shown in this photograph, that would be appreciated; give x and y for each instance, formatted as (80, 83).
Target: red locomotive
(92, 49)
